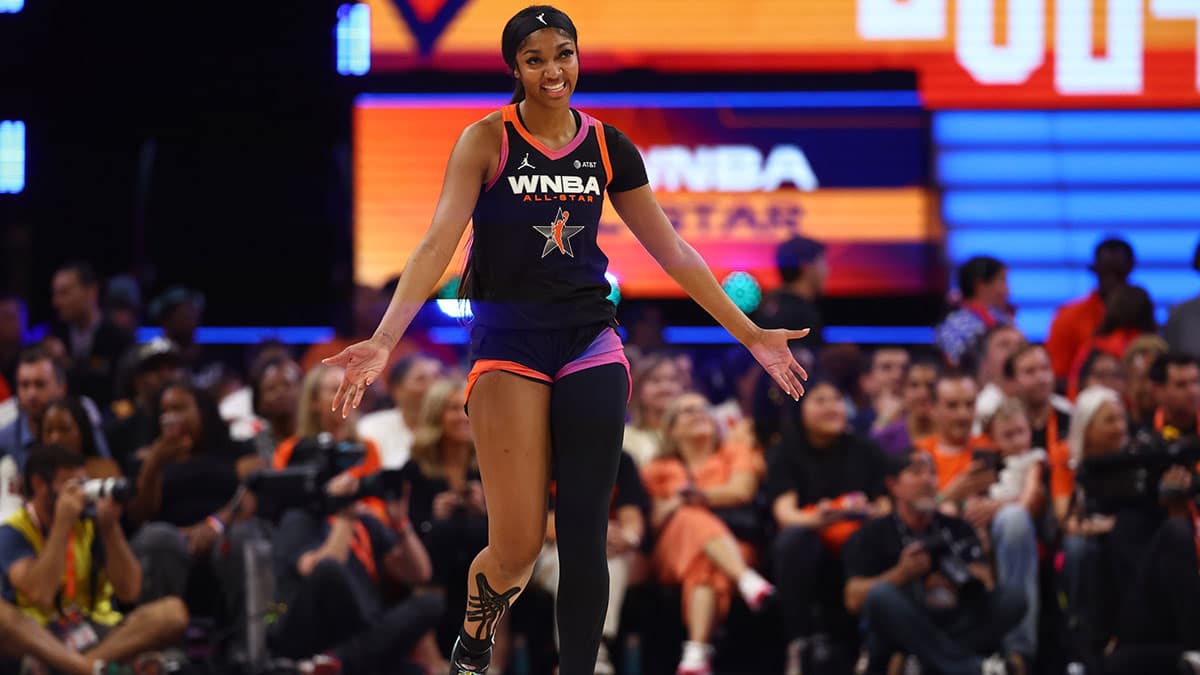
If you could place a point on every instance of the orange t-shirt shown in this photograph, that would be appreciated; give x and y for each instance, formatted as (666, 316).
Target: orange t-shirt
(949, 466)
(666, 476)
(1074, 324)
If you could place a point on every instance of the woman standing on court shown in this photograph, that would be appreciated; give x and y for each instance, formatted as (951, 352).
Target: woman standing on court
(549, 376)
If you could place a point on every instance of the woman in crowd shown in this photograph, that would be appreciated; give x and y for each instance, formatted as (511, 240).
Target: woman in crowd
(392, 429)
(823, 481)
(1128, 315)
(657, 381)
(275, 393)
(446, 502)
(917, 420)
(1100, 368)
(66, 423)
(187, 494)
(693, 478)
(1098, 428)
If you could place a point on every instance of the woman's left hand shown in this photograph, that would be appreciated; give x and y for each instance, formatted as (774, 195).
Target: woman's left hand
(770, 349)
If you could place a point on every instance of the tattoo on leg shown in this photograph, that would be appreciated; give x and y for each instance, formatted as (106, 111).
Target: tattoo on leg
(488, 606)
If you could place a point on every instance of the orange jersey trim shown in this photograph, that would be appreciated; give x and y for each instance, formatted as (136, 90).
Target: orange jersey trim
(603, 149)
(488, 365)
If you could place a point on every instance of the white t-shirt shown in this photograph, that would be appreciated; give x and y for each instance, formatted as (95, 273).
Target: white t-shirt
(1011, 482)
(237, 409)
(10, 488)
(641, 444)
(391, 434)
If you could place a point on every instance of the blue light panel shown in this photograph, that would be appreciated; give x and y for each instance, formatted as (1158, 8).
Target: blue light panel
(11, 6)
(248, 335)
(1067, 128)
(12, 157)
(353, 38)
(1068, 168)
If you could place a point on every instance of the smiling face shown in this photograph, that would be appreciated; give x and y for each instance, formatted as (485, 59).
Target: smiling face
(548, 67)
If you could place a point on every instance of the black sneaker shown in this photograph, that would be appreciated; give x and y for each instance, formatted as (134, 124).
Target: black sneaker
(463, 663)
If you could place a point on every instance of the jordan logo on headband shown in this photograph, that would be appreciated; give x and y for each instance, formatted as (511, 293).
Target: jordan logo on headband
(542, 17)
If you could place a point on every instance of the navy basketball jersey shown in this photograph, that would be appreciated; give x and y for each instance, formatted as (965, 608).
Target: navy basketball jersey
(536, 263)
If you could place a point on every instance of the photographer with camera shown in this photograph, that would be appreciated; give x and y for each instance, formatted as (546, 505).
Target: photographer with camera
(65, 557)
(1176, 382)
(920, 581)
(1130, 569)
(332, 573)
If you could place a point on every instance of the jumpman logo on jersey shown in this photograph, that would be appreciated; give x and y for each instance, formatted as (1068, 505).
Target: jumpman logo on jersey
(559, 234)
(525, 163)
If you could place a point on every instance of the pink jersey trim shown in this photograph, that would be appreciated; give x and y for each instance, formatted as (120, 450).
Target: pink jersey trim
(503, 157)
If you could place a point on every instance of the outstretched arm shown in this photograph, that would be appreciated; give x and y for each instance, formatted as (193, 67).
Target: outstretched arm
(645, 218)
(473, 155)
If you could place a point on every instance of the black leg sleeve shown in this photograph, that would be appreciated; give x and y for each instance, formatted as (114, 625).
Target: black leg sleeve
(587, 420)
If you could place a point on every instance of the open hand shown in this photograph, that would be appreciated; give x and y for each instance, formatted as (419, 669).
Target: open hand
(363, 362)
(771, 351)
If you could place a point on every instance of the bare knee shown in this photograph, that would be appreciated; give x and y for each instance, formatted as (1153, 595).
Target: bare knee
(170, 614)
(515, 556)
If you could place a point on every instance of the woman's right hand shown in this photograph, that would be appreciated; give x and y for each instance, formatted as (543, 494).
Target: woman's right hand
(363, 362)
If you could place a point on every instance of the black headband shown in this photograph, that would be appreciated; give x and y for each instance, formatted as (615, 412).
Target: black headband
(530, 24)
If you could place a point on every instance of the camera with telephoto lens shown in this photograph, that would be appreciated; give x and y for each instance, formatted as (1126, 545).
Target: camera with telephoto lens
(119, 490)
(946, 557)
(315, 461)
(1131, 478)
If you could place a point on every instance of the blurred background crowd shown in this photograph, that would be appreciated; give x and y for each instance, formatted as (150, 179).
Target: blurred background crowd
(899, 463)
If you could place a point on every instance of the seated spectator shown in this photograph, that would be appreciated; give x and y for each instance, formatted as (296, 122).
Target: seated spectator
(694, 476)
(40, 381)
(331, 572)
(146, 369)
(66, 423)
(1076, 322)
(657, 382)
(391, 429)
(235, 399)
(951, 445)
(910, 607)
(1139, 390)
(1098, 559)
(882, 385)
(446, 503)
(1033, 380)
(996, 345)
(1158, 630)
(626, 544)
(276, 399)
(1176, 381)
(63, 568)
(1007, 512)
(94, 344)
(916, 422)
(187, 493)
(1183, 325)
(1128, 315)
(1100, 368)
(983, 282)
(823, 481)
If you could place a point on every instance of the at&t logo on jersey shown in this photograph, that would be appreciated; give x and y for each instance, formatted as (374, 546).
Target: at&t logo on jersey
(541, 188)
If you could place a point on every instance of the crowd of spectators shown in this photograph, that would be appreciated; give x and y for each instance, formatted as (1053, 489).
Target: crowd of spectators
(959, 507)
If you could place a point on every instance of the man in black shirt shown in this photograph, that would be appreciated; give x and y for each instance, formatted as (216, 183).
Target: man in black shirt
(909, 604)
(801, 263)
